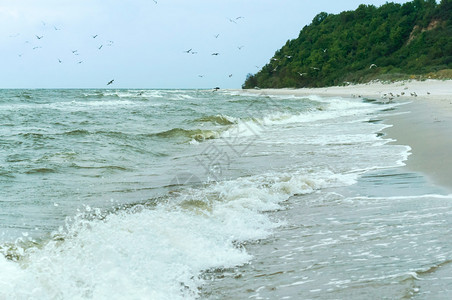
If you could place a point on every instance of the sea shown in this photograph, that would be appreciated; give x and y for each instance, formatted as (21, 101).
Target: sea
(213, 194)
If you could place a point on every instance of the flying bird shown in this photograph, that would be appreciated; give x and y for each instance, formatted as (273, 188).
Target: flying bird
(217, 35)
(59, 60)
(39, 37)
(110, 82)
(232, 21)
(240, 47)
(230, 75)
(288, 56)
(215, 53)
(372, 66)
(95, 36)
(188, 51)
(56, 28)
(100, 47)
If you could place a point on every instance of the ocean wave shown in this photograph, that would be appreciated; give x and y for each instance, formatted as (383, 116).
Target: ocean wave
(195, 134)
(40, 171)
(157, 251)
(217, 119)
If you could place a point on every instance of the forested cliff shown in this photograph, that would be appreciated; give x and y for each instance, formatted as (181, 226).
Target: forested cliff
(392, 41)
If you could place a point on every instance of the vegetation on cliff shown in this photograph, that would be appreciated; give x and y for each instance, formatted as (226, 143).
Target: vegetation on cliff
(391, 41)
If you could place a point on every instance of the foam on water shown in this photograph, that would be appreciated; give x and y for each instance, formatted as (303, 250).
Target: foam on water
(160, 252)
(162, 247)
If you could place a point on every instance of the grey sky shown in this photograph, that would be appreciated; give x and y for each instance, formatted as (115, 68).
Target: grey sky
(142, 43)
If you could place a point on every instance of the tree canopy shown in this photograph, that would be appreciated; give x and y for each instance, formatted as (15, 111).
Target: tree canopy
(362, 45)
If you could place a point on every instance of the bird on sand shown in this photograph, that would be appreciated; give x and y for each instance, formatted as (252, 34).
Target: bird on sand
(110, 82)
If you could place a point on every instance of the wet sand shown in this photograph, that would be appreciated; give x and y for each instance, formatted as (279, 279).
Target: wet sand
(424, 123)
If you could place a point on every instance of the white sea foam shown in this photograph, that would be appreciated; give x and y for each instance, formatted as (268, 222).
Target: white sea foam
(160, 252)
(157, 253)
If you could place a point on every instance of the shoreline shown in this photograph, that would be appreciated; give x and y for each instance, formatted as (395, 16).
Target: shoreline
(424, 123)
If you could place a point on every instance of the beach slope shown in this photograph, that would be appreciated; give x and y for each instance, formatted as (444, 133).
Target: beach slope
(424, 122)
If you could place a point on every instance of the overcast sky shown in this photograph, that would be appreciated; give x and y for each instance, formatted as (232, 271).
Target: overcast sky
(144, 44)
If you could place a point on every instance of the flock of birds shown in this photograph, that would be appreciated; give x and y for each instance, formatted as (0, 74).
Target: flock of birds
(234, 20)
(37, 42)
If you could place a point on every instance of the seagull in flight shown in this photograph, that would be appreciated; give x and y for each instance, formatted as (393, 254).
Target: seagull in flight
(215, 53)
(39, 37)
(95, 36)
(100, 47)
(372, 66)
(188, 51)
(240, 47)
(217, 35)
(110, 82)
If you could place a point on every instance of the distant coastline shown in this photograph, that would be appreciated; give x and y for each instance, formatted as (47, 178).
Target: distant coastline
(388, 43)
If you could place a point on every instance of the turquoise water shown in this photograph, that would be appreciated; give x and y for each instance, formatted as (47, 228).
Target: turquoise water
(166, 194)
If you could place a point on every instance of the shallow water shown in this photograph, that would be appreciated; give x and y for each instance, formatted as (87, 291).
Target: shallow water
(185, 193)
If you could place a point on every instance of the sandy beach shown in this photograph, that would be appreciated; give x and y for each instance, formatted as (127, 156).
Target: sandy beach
(424, 122)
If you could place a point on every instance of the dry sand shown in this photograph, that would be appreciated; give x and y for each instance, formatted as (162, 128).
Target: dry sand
(426, 126)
